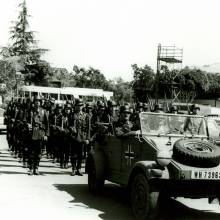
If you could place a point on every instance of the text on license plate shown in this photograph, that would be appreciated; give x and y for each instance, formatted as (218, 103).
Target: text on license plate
(205, 175)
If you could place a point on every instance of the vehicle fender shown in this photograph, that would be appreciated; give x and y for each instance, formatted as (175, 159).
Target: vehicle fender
(150, 169)
(99, 159)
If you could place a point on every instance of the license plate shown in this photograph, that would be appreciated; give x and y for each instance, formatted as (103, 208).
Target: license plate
(207, 175)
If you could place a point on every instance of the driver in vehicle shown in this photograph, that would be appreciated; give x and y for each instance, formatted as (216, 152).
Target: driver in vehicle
(192, 124)
(123, 125)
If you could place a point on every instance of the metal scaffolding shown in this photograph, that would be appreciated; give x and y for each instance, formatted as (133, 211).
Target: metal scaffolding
(170, 58)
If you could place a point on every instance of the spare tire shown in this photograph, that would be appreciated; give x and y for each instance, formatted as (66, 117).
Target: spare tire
(194, 152)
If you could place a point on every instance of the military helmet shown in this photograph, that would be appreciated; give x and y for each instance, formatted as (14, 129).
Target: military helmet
(111, 103)
(194, 106)
(68, 106)
(125, 109)
(101, 105)
(158, 107)
(78, 102)
(174, 108)
(89, 105)
(145, 106)
(59, 106)
(139, 105)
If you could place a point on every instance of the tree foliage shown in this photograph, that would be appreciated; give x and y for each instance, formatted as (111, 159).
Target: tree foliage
(90, 78)
(24, 47)
(143, 83)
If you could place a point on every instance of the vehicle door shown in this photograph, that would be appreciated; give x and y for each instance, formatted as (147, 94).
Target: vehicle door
(113, 152)
(131, 153)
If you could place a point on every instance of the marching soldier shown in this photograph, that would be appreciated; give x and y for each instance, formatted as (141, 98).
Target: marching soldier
(18, 128)
(80, 138)
(65, 146)
(57, 132)
(26, 132)
(39, 127)
(89, 127)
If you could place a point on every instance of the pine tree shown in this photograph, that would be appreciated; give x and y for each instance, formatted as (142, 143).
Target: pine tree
(24, 47)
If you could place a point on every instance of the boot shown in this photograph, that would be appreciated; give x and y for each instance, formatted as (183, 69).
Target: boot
(79, 173)
(30, 172)
(36, 172)
(73, 173)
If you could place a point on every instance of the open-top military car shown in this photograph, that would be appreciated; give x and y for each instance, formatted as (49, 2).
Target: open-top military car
(170, 156)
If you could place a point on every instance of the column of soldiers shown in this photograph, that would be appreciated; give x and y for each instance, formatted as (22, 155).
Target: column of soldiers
(64, 133)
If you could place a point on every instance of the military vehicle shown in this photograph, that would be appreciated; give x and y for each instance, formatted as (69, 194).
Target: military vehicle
(170, 156)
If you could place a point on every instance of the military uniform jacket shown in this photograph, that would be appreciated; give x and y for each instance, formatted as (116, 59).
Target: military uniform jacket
(123, 127)
(65, 124)
(39, 124)
(89, 126)
(80, 126)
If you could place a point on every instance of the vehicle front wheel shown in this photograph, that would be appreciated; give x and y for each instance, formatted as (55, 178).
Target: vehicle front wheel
(144, 203)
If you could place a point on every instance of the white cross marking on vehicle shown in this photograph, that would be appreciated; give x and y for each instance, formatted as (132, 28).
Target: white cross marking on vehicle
(129, 154)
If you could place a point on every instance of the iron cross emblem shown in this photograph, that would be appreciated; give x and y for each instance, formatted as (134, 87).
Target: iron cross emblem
(129, 155)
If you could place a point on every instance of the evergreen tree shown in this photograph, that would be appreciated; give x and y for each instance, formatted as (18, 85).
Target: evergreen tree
(24, 47)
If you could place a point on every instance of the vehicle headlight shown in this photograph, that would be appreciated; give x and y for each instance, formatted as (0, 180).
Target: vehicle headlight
(163, 157)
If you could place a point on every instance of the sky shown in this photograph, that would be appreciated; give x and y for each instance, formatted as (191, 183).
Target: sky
(111, 35)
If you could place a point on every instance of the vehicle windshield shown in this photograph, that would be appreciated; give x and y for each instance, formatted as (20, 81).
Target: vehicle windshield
(213, 127)
(162, 124)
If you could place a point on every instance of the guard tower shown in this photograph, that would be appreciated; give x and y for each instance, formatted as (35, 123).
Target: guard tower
(170, 58)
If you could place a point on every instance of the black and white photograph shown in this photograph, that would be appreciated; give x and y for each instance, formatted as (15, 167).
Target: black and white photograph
(109, 110)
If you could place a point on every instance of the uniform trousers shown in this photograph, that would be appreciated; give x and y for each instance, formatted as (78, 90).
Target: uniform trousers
(34, 152)
(76, 151)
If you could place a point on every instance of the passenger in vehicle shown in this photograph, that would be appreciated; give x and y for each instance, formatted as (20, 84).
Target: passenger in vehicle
(158, 108)
(145, 107)
(123, 125)
(194, 109)
(135, 119)
(192, 124)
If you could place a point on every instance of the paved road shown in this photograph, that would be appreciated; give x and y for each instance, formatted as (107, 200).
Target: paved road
(56, 195)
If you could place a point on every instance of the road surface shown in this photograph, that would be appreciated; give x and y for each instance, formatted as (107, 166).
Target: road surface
(54, 194)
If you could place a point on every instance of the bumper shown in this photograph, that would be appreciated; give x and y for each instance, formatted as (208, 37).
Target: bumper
(187, 188)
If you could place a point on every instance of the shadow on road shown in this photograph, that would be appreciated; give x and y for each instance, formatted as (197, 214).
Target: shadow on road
(12, 172)
(113, 202)
(9, 165)
(44, 173)
(6, 155)
(176, 210)
(6, 160)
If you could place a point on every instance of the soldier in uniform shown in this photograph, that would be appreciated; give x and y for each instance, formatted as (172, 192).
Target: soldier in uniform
(65, 146)
(80, 128)
(123, 125)
(57, 133)
(194, 109)
(18, 128)
(158, 108)
(135, 119)
(174, 109)
(51, 136)
(111, 115)
(26, 132)
(9, 117)
(39, 127)
(89, 127)
(145, 107)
